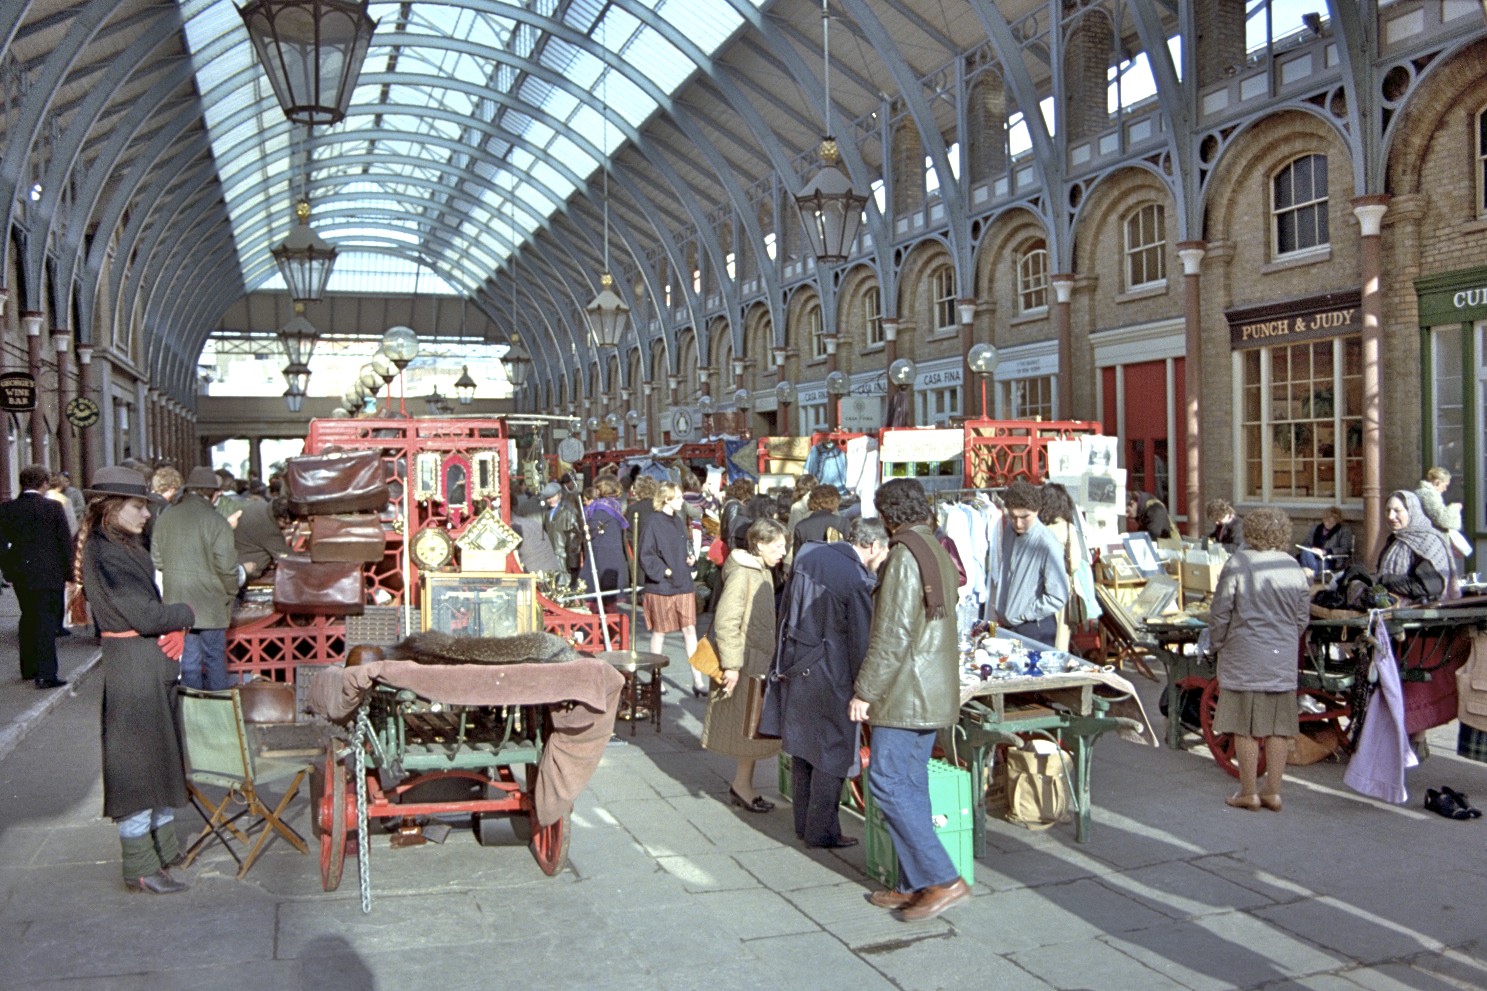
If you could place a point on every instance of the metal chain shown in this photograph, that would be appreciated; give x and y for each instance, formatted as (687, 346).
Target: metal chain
(364, 862)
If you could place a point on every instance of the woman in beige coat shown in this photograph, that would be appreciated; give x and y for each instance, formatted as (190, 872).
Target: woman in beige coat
(744, 632)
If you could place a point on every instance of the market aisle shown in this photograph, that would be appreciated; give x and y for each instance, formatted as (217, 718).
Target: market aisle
(670, 888)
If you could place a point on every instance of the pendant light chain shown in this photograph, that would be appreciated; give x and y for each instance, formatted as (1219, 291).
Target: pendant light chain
(826, 61)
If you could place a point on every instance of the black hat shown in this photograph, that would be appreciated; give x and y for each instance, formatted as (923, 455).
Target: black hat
(115, 480)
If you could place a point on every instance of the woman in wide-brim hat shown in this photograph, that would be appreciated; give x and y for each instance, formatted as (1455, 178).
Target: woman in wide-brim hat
(144, 777)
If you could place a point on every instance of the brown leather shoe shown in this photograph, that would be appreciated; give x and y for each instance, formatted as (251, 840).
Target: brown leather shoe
(934, 900)
(892, 899)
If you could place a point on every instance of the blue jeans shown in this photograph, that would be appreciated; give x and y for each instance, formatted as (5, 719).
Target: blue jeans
(898, 775)
(1042, 630)
(143, 821)
(1312, 562)
(204, 661)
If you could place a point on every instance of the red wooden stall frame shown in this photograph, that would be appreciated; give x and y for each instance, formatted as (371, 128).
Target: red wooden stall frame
(274, 645)
(998, 452)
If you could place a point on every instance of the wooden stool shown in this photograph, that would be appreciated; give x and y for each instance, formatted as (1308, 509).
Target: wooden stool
(640, 699)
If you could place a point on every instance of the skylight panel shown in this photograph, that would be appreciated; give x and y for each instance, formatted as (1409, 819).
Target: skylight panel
(706, 22)
(628, 102)
(663, 63)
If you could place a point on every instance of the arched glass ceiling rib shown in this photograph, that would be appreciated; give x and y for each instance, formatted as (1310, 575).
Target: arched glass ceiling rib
(424, 41)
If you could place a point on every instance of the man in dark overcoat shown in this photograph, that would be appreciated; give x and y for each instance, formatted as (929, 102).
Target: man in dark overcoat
(36, 555)
(825, 620)
(193, 550)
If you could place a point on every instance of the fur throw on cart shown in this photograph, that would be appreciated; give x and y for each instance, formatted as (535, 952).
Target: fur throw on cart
(524, 648)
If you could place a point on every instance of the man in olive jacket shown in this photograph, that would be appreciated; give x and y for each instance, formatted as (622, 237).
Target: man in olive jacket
(908, 689)
(193, 550)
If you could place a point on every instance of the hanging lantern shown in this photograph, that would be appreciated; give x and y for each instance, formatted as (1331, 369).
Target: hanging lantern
(518, 363)
(464, 386)
(298, 337)
(297, 377)
(830, 209)
(305, 259)
(313, 51)
(609, 315)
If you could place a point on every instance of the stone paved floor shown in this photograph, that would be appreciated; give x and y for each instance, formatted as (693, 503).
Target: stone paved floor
(669, 887)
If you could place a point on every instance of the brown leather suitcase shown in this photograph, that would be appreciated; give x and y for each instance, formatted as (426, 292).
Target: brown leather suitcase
(359, 538)
(337, 482)
(303, 587)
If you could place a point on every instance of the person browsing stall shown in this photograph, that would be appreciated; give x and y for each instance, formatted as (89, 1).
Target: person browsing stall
(826, 618)
(670, 602)
(744, 632)
(1034, 585)
(1260, 610)
(1416, 562)
(907, 690)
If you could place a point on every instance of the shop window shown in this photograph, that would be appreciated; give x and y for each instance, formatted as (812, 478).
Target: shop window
(813, 329)
(942, 284)
(1146, 247)
(1301, 415)
(936, 407)
(872, 315)
(813, 418)
(1032, 279)
(1482, 163)
(1447, 410)
(1028, 399)
(1298, 206)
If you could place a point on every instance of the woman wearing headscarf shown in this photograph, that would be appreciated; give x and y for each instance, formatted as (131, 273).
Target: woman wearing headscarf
(606, 570)
(144, 776)
(1415, 563)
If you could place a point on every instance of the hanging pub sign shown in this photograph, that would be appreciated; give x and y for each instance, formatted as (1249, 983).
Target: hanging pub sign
(17, 392)
(82, 412)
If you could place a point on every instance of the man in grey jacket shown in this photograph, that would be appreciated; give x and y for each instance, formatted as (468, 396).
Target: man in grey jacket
(1034, 584)
(193, 550)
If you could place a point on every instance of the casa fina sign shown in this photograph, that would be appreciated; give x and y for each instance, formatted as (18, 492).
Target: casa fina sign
(1331, 315)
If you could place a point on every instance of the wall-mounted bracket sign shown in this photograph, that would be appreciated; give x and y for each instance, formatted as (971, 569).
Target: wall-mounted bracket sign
(17, 392)
(82, 412)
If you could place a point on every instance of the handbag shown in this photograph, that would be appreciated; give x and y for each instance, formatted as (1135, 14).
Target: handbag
(705, 658)
(1076, 614)
(308, 588)
(1038, 786)
(339, 482)
(358, 538)
(754, 708)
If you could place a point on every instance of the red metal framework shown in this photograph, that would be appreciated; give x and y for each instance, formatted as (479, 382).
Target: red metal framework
(998, 452)
(275, 645)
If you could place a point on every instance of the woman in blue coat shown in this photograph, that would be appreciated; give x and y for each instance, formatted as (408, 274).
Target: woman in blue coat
(825, 621)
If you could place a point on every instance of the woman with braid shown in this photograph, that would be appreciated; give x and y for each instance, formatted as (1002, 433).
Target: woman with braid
(144, 777)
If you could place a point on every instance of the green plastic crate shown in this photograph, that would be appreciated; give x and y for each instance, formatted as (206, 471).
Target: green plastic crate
(786, 781)
(950, 805)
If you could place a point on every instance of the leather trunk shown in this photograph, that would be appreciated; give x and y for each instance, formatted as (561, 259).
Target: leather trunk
(359, 538)
(339, 482)
(304, 587)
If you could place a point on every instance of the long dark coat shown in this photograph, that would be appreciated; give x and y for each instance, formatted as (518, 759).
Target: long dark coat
(142, 763)
(824, 625)
(607, 533)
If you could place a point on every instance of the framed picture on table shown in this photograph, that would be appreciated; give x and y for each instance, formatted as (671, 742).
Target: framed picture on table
(1117, 568)
(481, 604)
(1143, 554)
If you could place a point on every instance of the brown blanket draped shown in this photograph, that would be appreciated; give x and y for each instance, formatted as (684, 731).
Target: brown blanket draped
(572, 750)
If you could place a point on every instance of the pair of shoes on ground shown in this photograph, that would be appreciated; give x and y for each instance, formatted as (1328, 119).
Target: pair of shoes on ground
(158, 883)
(1450, 803)
(49, 682)
(1254, 803)
(840, 843)
(759, 804)
(924, 904)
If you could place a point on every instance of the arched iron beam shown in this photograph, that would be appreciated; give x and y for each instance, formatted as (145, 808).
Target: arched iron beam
(121, 134)
(1177, 106)
(1356, 29)
(119, 71)
(958, 228)
(16, 154)
(1047, 154)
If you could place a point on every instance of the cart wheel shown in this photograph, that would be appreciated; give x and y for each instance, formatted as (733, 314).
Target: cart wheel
(1221, 745)
(331, 818)
(550, 844)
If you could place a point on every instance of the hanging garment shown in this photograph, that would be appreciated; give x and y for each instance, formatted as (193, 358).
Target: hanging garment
(1384, 752)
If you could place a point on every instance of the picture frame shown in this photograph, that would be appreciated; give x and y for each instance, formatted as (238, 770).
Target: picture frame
(1119, 567)
(427, 477)
(481, 604)
(485, 478)
(455, 483)
(1143, 553)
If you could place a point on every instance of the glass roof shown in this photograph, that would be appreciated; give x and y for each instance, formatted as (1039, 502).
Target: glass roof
(459, 110)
